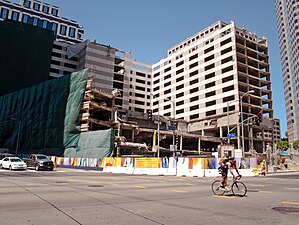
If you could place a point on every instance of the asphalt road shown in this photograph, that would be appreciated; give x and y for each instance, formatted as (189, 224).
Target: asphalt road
(68, 196)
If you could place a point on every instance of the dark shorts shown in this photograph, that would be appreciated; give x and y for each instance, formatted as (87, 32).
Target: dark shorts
(224, 172)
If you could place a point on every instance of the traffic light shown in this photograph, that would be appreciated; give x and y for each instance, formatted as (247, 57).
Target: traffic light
(260, 117)
(149, 114)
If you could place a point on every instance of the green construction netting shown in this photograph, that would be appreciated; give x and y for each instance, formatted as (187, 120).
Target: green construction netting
(94, 144)
(43, 118)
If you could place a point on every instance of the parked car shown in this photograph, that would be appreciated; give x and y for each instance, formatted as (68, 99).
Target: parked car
(5, 154)
(13, 163)
(39, 162)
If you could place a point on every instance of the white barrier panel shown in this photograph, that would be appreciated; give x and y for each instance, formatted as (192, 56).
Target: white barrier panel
(125, 170)
(155, 171)
(210, 173)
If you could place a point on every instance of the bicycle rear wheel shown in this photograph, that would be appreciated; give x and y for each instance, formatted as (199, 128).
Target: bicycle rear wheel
(217, 190)
(239, 189)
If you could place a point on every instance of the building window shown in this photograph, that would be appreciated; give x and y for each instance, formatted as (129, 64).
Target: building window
(225, 42)
(193, 99)
(4, 13)
(35, 20)
(193, 65)
(195, 107)
(195, 81)
(179, 71)
(194, 90)
(167, 77)
(54, 12)
(210, 103)
(193, 73)
(27, 4)
(210, 113)
(209, 49)
(45, 9)
(62, 29)
(72, 32)
(36, 6)
(45, 23)
(167, 84)
(180, 95)
(211, 84)
(179, 111)
(179, 87)
(167, 69)
(180, 79)
(15, 16)
(211, 93)
(167, 92)
(210, 75)
(54, 27)
(25, 18)
(193, 57)
(180, 63)
(179, 103)
(194, 116)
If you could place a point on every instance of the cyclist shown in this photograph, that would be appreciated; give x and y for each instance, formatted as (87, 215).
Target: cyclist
(232, 165)
(223, 169)
(225, 165)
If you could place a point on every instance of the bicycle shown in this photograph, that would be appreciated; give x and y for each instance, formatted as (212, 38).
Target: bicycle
(238, 188)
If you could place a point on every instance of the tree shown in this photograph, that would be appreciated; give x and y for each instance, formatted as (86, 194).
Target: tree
(296, 144)
(282, 145)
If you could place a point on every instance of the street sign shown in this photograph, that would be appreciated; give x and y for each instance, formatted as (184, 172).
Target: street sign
(171, 128)
(232, 135)
(173, 148)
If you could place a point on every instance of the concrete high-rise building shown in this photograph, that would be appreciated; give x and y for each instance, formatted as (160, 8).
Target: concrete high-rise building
(42, 15)
(213, 77)
(287, 24)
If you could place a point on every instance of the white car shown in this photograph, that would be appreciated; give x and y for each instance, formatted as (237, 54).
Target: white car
(13, 163)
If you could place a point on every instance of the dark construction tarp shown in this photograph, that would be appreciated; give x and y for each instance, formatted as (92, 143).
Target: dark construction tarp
(25, 55)
(93, 144)
(45, 116)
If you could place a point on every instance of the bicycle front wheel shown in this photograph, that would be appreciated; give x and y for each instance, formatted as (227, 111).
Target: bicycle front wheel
(239, 189)
(217, 190)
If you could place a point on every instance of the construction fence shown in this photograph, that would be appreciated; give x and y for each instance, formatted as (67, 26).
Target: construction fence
(178, 166)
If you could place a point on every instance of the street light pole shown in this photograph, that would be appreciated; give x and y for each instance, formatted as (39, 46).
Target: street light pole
(242, 126)
(227, 123)
(173, 136)
(158, 149)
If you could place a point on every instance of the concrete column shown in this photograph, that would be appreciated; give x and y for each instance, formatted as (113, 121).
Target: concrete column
(221, 131)
(199, 146)
(181, 142)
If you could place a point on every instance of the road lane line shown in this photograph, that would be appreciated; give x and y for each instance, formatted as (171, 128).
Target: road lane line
(179, 191)
(290, 203)
(267, 192)
(223, 196)
(140, 187)
(190, 184)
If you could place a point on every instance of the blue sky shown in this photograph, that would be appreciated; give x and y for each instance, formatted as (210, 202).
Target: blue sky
(149, 27)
